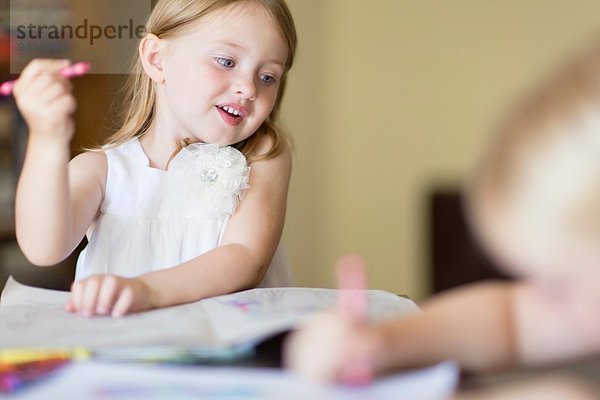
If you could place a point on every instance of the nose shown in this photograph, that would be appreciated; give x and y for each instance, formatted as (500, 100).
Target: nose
(245, 87)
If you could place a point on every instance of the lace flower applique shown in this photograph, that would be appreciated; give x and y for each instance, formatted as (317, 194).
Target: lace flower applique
(212, 179)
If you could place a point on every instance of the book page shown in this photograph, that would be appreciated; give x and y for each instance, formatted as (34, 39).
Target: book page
(114, 381)
(33, 317)
(256, 314)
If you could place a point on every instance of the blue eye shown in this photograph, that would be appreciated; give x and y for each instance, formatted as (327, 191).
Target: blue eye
(225, 62)
(268, 80)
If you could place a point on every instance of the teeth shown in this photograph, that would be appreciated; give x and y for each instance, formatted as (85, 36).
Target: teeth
(231, 110)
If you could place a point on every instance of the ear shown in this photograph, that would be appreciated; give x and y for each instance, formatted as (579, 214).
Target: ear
(151, 51)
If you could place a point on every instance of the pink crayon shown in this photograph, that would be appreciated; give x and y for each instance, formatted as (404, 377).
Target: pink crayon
(71, 71)
(353, 304)
(352, 280)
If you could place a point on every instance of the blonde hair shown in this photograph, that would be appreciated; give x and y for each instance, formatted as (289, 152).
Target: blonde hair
(548, 150)
(167, 19)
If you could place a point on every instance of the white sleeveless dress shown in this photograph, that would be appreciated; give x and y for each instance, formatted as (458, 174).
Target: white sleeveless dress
(152, 219)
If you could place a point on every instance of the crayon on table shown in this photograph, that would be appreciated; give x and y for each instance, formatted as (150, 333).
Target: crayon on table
(24, 355)
(15, 376)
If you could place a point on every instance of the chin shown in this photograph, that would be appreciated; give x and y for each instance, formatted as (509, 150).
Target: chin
(212, 139)
(230, 141)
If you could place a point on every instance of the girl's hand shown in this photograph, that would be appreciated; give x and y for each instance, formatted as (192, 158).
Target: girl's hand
(45, 100)
(109, 295)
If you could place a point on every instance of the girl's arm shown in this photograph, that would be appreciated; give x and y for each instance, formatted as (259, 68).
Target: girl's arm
(55, 203)
(248, 245)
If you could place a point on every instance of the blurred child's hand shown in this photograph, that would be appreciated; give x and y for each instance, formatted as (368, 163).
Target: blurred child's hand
(45, 100)
(332, 348)
(340, 346)
(109, 295)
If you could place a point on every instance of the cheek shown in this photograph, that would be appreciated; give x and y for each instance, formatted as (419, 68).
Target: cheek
(266, 101)
(197, 82)
(212, 81)
(520, 251)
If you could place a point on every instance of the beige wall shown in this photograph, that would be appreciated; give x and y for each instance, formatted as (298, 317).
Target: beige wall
(390, 98)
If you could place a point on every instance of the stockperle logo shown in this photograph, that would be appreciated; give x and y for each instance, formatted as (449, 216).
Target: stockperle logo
(105, 33)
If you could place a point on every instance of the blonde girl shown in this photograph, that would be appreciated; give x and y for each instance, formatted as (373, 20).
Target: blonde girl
(187, 200)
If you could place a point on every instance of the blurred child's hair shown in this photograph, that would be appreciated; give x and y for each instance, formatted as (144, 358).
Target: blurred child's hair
(167, 20)
(545, 157)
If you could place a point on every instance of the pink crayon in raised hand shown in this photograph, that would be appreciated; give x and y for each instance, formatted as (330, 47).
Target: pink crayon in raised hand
(71, 71)
(353, 304)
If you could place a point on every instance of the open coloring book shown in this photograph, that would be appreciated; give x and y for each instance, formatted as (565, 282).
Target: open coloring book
(32, 318)
(36, 318)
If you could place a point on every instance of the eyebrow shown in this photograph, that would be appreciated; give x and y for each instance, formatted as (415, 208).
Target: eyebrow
(237, 46)
(231, 44)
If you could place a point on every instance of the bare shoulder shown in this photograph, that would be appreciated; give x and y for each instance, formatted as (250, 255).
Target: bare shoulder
(282, 161)
(272, 174)
(93, 160)
(90, 165)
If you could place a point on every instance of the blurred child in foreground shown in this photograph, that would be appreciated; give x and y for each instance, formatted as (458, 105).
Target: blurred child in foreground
(534, 201)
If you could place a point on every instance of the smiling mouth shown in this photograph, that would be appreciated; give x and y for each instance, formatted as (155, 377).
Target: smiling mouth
(231, 115)
(231, 111)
